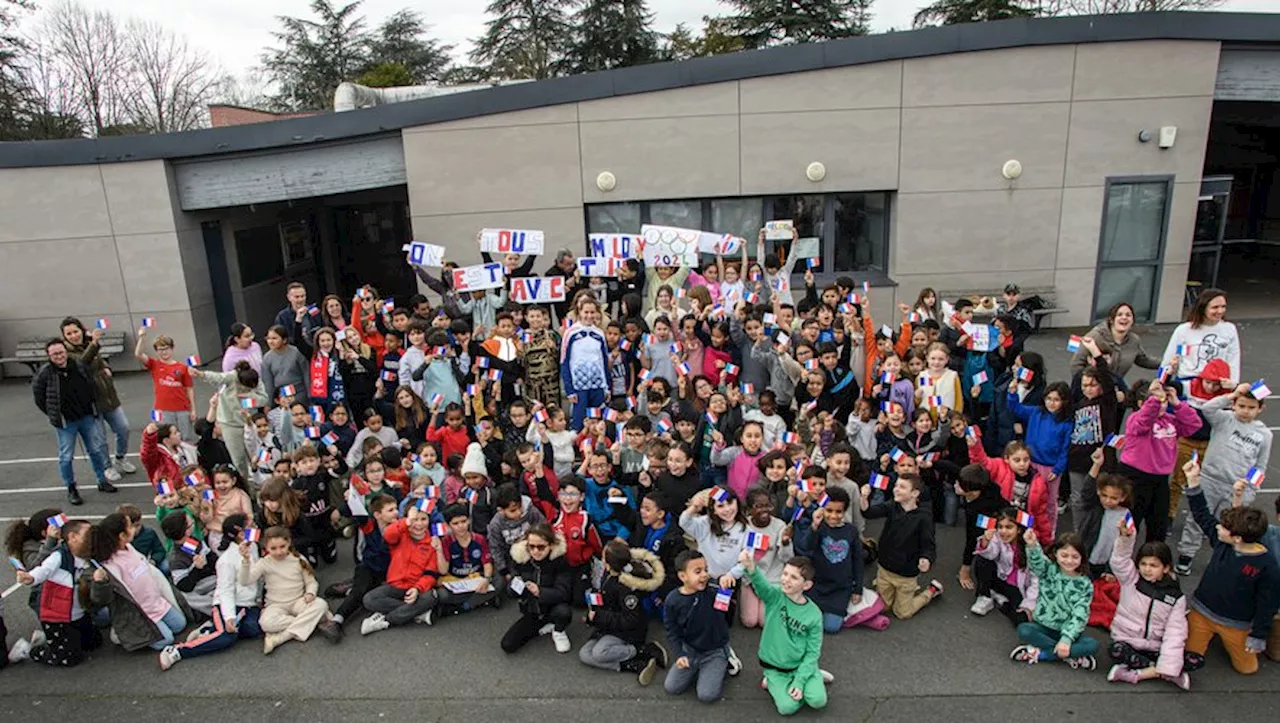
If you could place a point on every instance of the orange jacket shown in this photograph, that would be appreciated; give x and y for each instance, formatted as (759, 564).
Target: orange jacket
(414, 563)
(872, 354)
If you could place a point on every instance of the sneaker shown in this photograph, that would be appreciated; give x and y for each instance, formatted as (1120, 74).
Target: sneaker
(827, 677)
(107, 487)
(1122, 674)
(426, 618)
(272, 641)
(935, 588)
(999, 599)
(112, 474)
(111, 635)
(764, 684)
(658, 653)
(1182, 680)
(735, 663)
(338, 589)
(125, 466)
(373, 624)
(20, 651)
(38, 638)
(331, 631)
(1184, 565)
(982, 605)
(546, 629)
(1025, 654)
(168, 657)
(648, 671)
(1084, 662)
(73, 496)
(561, 640)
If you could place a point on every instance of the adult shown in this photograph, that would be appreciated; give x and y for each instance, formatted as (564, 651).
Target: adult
(105, 398)
(1205, 335)
(566, 266)
(63, 390)
(442, 285)
(297, 318)
(332, 314)
(283, 365)
(584, 366)
(1117, 340)
(240, 346)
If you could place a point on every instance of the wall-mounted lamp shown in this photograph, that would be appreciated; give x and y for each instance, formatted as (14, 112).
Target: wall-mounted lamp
(815, 172)
(1012, 169)
(606, 181)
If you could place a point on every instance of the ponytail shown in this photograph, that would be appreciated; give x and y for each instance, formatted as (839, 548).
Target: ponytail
(236, 330)
(105, 536)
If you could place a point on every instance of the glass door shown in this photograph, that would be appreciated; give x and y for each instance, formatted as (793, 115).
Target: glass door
(1211, 227)
(1135, 221)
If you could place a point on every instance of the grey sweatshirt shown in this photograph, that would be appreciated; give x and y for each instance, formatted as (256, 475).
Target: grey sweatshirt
(1234, 447)
(284, 367)
(503, 533)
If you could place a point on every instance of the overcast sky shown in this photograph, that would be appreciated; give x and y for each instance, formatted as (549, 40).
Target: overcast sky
(236, 31)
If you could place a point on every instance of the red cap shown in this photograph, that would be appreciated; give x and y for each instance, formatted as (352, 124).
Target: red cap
(1216, 371)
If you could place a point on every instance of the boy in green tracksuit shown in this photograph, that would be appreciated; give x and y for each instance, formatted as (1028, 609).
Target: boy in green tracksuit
(792, 638)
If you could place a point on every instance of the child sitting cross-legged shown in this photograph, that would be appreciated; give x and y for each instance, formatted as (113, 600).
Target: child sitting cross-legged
(1001, 576)
(467, 558)
(292, 610)
(416, 559)
(1056, 631)
(616, 614)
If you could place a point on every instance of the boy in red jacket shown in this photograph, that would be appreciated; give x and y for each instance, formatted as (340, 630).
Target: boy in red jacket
(538, 481)
(416, 560)
(161, 454)
(582, 541)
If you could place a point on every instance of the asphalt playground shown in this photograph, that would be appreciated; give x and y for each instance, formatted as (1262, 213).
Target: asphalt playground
(944, 664)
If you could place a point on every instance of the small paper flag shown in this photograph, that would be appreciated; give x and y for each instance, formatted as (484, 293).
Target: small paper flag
(288, 390)
(986, 523)
(719, 494)
(148, 322)
(436, 400)
(208, 495)
(193, 360)
(732, 369)
(595, 599)
(723, 597)
(1259, 390)
(980, 378)
(757, 541)
(329, 439)
(164, 488)
(103, 324)
(663, 426)
(1255, 477)
(248, 403)
(748, 388)
(880, 481)
(439, 529)
(1115, 441)
(1025, 519)
(252, 534)
(823, 500)
(312, 432)
(192, 480)
(57, 520)
(1073, 343)
(1128, 522)
(157, 416)
(190, 546)
(1025, 374)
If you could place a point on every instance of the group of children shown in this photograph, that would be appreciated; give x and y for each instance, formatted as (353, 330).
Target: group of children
(623, 466)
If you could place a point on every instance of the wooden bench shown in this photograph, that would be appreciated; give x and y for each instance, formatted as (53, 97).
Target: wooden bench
(1047, 294)
(31, 352)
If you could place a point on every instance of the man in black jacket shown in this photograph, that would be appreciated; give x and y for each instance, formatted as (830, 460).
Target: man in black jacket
(63, 390)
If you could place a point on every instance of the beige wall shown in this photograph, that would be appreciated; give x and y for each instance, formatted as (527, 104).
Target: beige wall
(935, 130)
(101, 241)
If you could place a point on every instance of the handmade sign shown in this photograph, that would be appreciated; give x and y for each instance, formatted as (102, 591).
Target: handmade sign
(598, 266)
(511, 241)
(779, 230)
(671, 246)
(424, 254)
(615, 245)
(537, 289)
(478, 278)
(807, 248)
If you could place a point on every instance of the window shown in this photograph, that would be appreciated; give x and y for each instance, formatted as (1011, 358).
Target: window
(852, 229)
(1135, 218)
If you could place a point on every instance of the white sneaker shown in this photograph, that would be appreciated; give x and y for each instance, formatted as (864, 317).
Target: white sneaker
(168, 657)
(999, 599)
(982, 605)
(20, 651)
(735, 663)
(561, 640)
(546, 629)
(38, 638)
(374, 623)
(115, 639)
(424, 618)
(112, 474)
(126, 466)
(827, 677)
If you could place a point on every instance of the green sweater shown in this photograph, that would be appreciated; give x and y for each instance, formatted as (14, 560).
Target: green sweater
(1063, 604)
(792, 638)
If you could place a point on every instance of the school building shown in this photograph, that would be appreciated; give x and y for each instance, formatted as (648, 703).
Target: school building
(1093, 159)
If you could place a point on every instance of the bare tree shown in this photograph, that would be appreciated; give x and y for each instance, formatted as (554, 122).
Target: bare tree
(1111, 7)
(55, 103)
(91, 48)
(170, 84)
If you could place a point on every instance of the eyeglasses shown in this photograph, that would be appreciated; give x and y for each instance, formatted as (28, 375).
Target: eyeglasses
(569, 493)
(533, 547)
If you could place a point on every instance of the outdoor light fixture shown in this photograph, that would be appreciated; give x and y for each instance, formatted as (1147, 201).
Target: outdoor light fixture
(606, 181)
(815, 172)
(1012, 169)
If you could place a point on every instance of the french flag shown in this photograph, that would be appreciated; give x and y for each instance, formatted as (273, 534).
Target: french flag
(264, 456)
(1073, 344)
(751, 297)
(724, 596)
(1184, 350)
(471, 390)
(972, 431)
(624, 345)
(389, 305)
(164, 488)
(823, 500)
(880, 481)
(757, 541)
(208, 495)
(811, 365)
(436, 400)
(611, 415)
(1025, 519)
(190, 546)
(431, 492)
(483, 362)
(148, 322)
(57, 520)
(317, 412)
(712, 418)
(439, 529)
(387, 376)
(471, 495)
(426, 505)
(541, 416)
(845, 308)
(595, 599)
(732, 369)
(248, 403)
(986, 523)
(1025, 374)
(889, 407)
(312, 432)
(676, 348)
(103, 324)
(980, 378)
(329, 439)
(1195, 458)
(683, 369)
(192, 480)
(663, 426)
(1255, 477)
(1260, 390)
(252, 534)
(804, 486)
(193, 360)
(1129, 523)
(594, 413)
(914, 318)
(770, 319)
(1115, 441)
(719, 494)
(645, 375)
(897, 454)
(791, 438)
(933, 401)
(288, 390)
(494, 375)
(1163, 374)
(747, 388)
(797, 514)
(156, 416)
(313, 310)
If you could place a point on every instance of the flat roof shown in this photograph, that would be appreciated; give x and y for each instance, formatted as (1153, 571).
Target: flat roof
(329, 127)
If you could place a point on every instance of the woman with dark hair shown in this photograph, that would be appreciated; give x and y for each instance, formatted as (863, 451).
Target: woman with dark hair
(332, 313)
(283, 365)
(1205, 335)
(240, 346)
(105, 399)
(1116, 339)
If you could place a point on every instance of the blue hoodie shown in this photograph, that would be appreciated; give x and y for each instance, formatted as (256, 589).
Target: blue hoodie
(1049, 439)
(604, 513)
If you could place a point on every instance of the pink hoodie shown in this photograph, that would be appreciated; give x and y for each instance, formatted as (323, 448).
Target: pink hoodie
(1151, 436)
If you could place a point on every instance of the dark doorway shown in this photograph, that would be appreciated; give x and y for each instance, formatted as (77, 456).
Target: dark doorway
(224, 306)
(367, 250)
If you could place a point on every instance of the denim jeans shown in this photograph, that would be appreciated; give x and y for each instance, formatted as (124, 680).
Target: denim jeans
(119, 424)
(587, 399)
(170, 625)
(88, 430)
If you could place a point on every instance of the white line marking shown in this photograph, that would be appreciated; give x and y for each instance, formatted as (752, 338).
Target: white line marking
(71, 517)
(12, 589)
(34, 460)
(30, 490)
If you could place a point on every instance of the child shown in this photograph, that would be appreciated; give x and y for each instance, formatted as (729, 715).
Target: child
(1149, 630)
(466, 558)
(373, 427)
(555, 432)
(770, 557)
(1149, 451)
(373, 557)
(318, 487)
(145, 540)
(1056, 631)
(1114, 493)
(940, 380)
(1239, 442)
(655, 529)
(541, 581)
(190, 562)
(229, 498)
(1000, 570)
(1018, 482)
(697, 633)
(906, 547)
(741, 459)
(292, 609)
(1048, 432)
(66, 630)
(836, 551)
(1238, 594)
(538, 480)
(792, 639)
(604, 497)
(618, 623)
(173, 392)
(475, 490)
(516, 514)
(861, 430)
(416, 558)
(452, 437)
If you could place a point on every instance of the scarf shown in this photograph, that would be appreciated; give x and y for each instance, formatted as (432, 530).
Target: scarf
(319, 376)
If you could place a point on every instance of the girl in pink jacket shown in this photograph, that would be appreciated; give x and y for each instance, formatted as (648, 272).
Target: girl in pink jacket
(1149, 630)
(1150, 449)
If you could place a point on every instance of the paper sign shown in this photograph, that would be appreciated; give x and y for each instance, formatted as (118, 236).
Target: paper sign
(598, 266)
(615, 245)
(478, 278)
(806, 248)
(422, 254)
(517, 585)
(981, 336)
(671, 246)
(537, 289)
(355, 502)
(461, 587)
(511, 241)
(778, 230)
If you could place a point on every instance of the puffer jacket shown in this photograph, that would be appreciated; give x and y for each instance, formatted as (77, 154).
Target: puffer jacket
(1151, 617)
(132, 626)
(552, 576)
(104, 387)
(1003, 555)
(1002, 475)
(622, 614)
(47, 389)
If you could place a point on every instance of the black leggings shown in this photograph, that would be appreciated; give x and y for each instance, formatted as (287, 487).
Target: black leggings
(987, 580)
(362, 582)
(1150, 501)
(66, 643)
(527, 626)
(1135, 659)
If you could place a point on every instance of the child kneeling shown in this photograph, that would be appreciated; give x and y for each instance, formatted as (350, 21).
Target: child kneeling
(616, 614)
(697, 632)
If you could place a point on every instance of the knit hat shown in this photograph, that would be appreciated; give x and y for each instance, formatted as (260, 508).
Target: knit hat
(1216, 371)
(473, 463)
